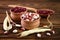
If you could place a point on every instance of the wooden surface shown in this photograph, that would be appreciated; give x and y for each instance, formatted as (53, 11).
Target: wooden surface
(51, 4)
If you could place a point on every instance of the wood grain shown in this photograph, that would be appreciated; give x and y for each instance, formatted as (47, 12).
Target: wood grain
(55, 19)
(39, 4)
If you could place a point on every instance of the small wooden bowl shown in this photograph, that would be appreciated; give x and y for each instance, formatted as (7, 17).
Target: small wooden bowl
(45, 12)
(16, 13)
(30, 24)
(16, 16)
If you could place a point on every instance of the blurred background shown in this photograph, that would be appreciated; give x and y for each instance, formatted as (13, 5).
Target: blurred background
(39, 4)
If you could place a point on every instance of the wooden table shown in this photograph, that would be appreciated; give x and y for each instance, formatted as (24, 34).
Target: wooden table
(55, 18)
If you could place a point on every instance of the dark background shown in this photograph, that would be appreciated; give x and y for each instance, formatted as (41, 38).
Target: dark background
(39, 4)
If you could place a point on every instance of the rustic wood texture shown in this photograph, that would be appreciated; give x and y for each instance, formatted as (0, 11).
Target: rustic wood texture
(39, 4)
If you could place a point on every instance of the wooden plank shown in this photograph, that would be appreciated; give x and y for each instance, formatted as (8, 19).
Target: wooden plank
(36, 4)
(55, 19)
(4, 8)
(55, 8)
(32, 36)
(15, 39)
(2, 17)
